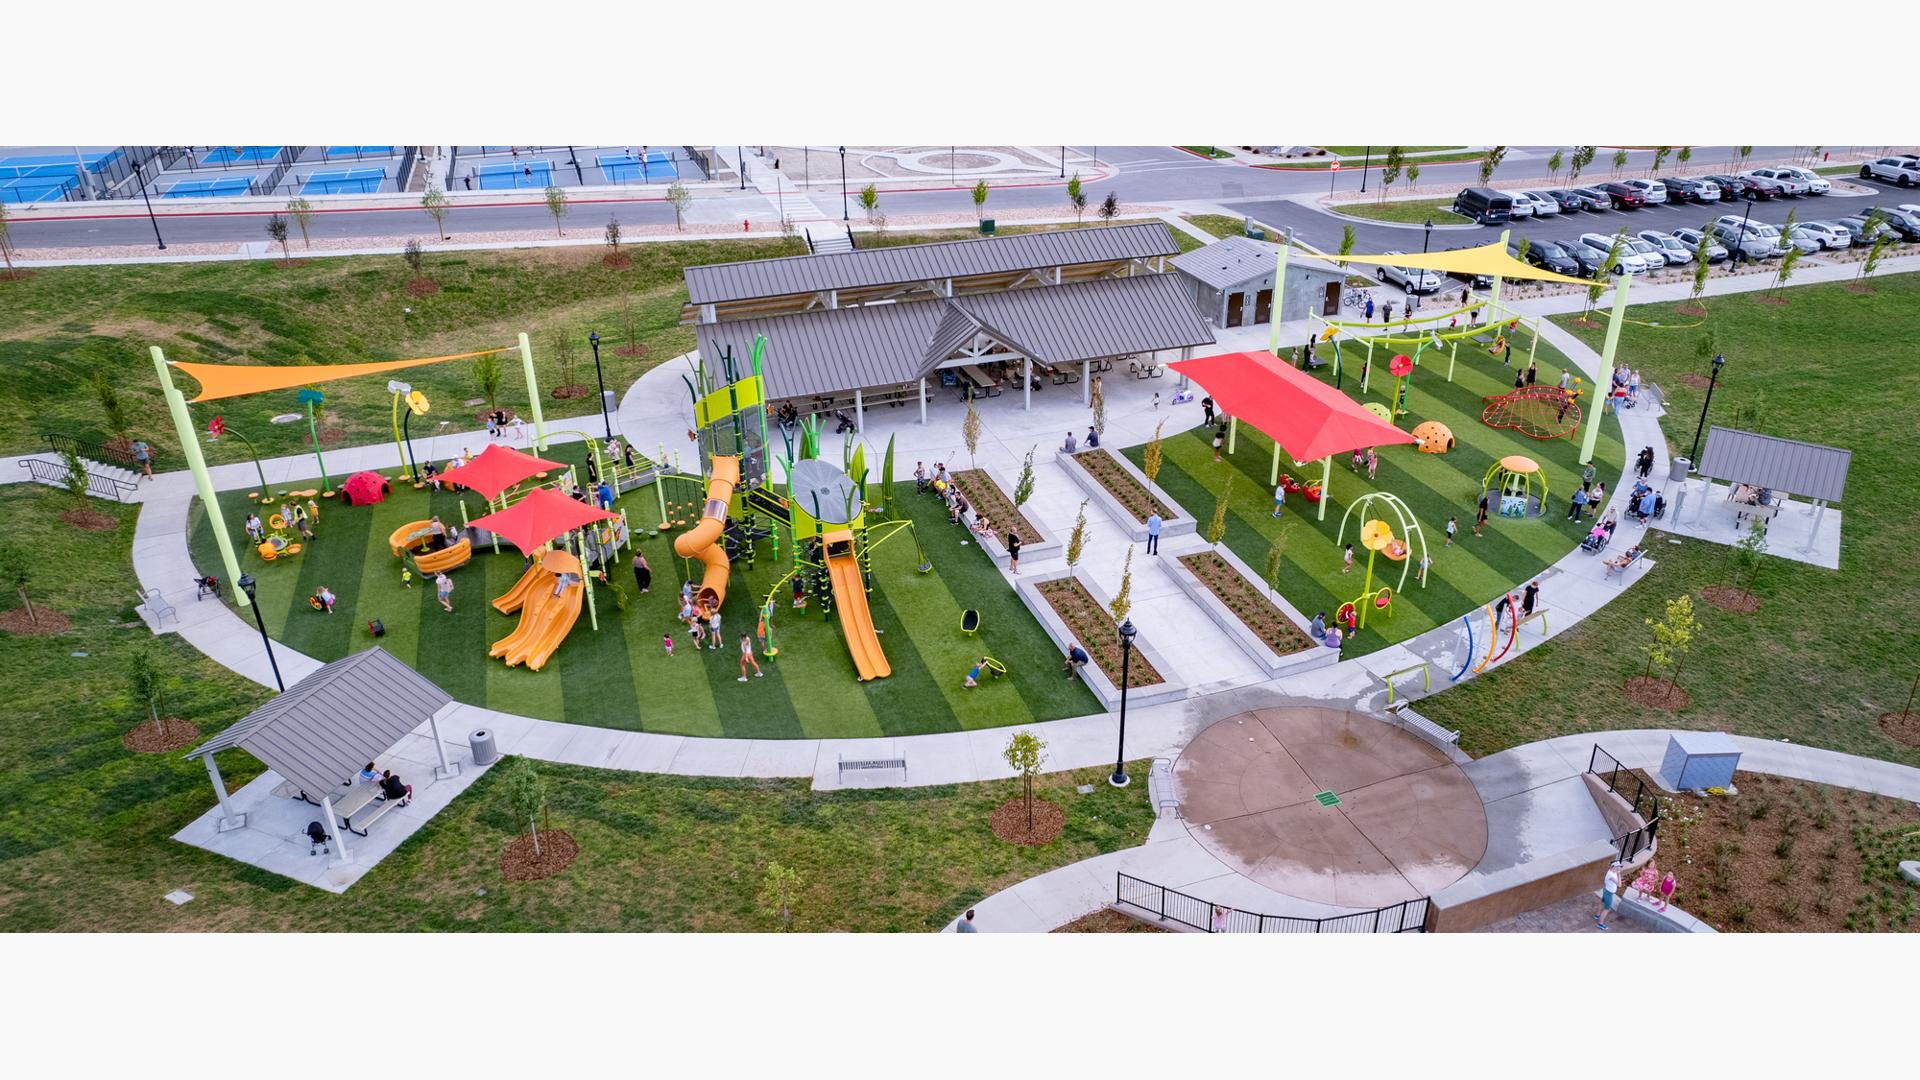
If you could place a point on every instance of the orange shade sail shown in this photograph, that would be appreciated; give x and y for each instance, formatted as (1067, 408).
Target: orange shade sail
(232, 380)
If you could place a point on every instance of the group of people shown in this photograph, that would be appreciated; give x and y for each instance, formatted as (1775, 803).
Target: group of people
(392, 788)
(500, 426)
(940, 482)
(1625, 392)
(1071, 446)
(702, 620)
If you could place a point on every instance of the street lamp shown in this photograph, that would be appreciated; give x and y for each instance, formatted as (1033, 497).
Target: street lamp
(247, 586)
(1693, 455)
(843, 185)
(593, 339)
(1120, 777)
(573, 159)
(741, 152)
(142, 181)
(1428, 238)
(1063, 163)
(1740, 249)
(1364, 162)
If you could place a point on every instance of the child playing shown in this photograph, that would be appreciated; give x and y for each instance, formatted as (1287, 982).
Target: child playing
(713, 629)
(1358, 460)
(406, 577)
(666, 644)
(973, 673)
(746, 657)
(326, 598)
(1373, 463)
(1421, 573)
(699, 634)
(799, 592)
(1347, 557)
(1453, 526)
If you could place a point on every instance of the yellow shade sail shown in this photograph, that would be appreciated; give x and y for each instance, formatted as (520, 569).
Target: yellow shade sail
(230, 380)
(1490, 259)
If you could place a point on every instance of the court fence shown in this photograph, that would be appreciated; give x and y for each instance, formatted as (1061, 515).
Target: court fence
(266, 182)
(1171, 905)
(405, 175)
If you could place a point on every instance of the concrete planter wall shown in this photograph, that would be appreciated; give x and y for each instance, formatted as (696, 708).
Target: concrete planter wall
(1103, 688)
(1273, 663)
(1038, 545)
(1179, 524)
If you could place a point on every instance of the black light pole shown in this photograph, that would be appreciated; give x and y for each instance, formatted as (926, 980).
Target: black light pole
(1364, 162)
(573, 156)
(1120, 777)
(593, 339)
(1063, 163)
(406, 435)
(843, 185)
(1428, 239)
(246, 584)
(142, 181)
(742, 152)
(1693, 455)
(1741, 247)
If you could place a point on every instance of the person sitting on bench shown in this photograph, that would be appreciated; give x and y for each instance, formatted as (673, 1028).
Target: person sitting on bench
(1625, 560)
(1319, 627)
(1076, 659)
(1070, 445)
(369, 775)
(392, 788)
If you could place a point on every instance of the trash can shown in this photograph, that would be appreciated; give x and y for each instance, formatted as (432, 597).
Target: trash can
(986, 226)
(607, 401)
(1679, 468)
(484, 752)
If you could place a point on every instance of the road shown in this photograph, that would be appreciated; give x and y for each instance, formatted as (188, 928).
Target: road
(1149, 175)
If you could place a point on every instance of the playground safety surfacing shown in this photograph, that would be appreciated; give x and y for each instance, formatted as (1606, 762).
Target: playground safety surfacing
(1405, 822)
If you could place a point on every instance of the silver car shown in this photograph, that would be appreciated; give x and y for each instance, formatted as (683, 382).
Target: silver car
(1831, 235)
(1654, 191)
(1674, 251)
(1629, 261)
(1716, 251)
(1409, 278)
(1649, 253)
(1544, 205)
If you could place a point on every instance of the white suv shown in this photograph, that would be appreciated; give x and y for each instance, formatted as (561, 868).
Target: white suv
(1654, 190)
(1411, 279)
(1904, 171)
(1629, 261)
(1789, 183)
(1782, 174)
(1522, 205)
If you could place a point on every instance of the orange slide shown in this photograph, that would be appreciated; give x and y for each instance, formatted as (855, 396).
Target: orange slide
(850, 600)
(517, 596)
(703, 540)
(545, 618)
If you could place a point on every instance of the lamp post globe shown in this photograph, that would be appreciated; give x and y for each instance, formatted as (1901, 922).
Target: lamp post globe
(1120, 777)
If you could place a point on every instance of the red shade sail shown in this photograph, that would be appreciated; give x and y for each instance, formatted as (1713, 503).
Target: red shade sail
(497, 469)
(1308, 418)
(539, 518)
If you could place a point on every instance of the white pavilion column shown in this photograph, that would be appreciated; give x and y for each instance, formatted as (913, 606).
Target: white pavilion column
(230, 819)
(334, 830)
(923, 400)
(859, 412)
(448, 769)
(1086, 382)
(1813, 536)
(1026, 384)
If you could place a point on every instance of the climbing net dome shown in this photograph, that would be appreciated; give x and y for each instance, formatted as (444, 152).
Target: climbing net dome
(1538, 412)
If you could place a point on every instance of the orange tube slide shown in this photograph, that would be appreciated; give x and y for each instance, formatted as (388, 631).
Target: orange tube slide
(703, 540)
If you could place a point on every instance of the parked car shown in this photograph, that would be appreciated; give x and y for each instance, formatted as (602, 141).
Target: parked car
(1743, 187)
(1904, 171)
(1862, 236)
(1624, 197)
(1799, 237)
(1716, 251)
(1690, 189)
(1653, 191)
(1792, 175)
(1629, 260)
(1649, 253)
(1550, 255)
(1830, 235)
(1409, 278)
(1746, 239)
(1589, 258)
(1595, 198)
(1671, 249)
(1569, 200)
(1544, 204)
(1484, 206)
(1788, 185)
(1904, 222)
(1522, 206)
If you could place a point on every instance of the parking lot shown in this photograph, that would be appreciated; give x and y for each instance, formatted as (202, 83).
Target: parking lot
(507, 168)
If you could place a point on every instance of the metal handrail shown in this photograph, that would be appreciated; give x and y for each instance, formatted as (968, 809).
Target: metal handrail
(1634, 841)
(56, 473)
(1172, 905)
(60, 444)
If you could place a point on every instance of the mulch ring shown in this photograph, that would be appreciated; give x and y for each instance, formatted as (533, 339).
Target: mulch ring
(616, 260)
(422, 287)
(1691, 309)
(1010, 822)
(1697, 382)
(149, 738)
(331, 435)
(45, 621)
(1728, 598)
(15, 275)
(1776, 301)
(1902, 728)
(1856, 287)
(573, 390)
(1651, 693)
(557, 849)
(90, 520)
(1585, 324)
(631, 348)
(1108, 921)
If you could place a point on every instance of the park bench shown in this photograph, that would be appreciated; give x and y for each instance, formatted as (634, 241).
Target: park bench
(157, 606)
(1622, 570)
(363, 820)
(861, 764)
(1423, 726)
(1146, 371)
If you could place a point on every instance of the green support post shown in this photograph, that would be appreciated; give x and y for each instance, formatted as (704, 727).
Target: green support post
(1493, 307)
(533, 395)
(1279, 295)
(1273, 474)
(1454, 360)
(1326, 485)
(490, 532)
(309, 397)
(399, 448)
(1603, 386)
(1233, 433)
(586, 575)
(202, 479)
(1366, 372)
(1535, 347)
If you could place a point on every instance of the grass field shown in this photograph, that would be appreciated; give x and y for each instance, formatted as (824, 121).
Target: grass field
(1828, 651)
(620, 677)
(1208, 151)
(1381, 151)
(1434, 486)
(1405, 211)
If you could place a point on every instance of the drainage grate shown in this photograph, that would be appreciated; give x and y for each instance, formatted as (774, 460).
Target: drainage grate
(1326, 798)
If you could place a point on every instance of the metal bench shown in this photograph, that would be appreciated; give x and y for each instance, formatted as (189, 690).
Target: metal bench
(157, 606)
(861, 764)
(1424, 726)
(1160, 788)
(364, 819)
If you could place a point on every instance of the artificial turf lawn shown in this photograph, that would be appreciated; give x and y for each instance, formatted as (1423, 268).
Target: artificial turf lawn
(1828, 651)
(620, 677)
(1434, 486)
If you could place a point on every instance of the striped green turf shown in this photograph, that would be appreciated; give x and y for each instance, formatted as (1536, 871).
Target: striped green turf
(1435, 486)
(621, 677)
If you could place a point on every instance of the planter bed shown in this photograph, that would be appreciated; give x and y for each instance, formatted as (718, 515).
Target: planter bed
(1121, 490)
(1269, 631)
(1076, 610)
(987, 490)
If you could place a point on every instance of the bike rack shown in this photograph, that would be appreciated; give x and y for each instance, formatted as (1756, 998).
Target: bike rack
(1426, 679)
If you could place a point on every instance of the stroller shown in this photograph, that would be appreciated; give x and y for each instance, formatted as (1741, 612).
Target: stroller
(845, 422)
(206, 586)
(317, 839)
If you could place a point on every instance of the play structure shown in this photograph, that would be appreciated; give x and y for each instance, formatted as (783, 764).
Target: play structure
(1513, 477)
(364, 489)
(1538, 412)
(704, 541)
(548, 598)
(1379, 538)
(1493, 635)
(1435, 437)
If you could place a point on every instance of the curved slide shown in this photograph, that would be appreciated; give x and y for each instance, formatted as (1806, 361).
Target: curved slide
(703, 540)
(850, 600)
(512, 600)
(545, 619)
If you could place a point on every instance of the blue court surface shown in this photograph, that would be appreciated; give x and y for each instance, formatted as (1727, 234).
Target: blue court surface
(332, 152)
(230, 155)
(627, 168)
(53, 164)
(514, 174)
(33, 189)
(221, 188)
(344, 182)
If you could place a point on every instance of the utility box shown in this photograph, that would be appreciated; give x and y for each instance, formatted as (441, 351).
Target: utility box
(1699, 759)
(986, 226)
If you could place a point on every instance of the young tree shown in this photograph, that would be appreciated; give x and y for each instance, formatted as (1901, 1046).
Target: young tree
(1521, 247)
(1749, 551)
(301, 211)
(1880, 244)
(1413, 176)
(870, 199)
(1745, 152)
(1025, 753)
(1390, 170)
(16, 568)
(1660, 154)
(1701, 264)
(1150, 457)
(1582, 157)
(113, 412)
(1785, 272)
(1217, 527)
(557, 206)
(436, 204)
(1123, 600)
(566, 356)
(145, 682)
(1109, 208)
(1619, 161)
(1489, 162)
(526, 797)
(970, 431)
(1685, 155)
(1077, 539)
(486, 377)
(1023, 487)
(1276, 553)
(1672, 638)
(1553, 165)
(277, 232)
(680, 198)
(6, 241)
(980, 200)
(410, 253)
(76, 481)
(1346, 243)
(780, 891)
(1077, 196)
(613, 234)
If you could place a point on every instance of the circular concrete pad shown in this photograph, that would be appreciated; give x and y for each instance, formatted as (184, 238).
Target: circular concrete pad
(1407, 824)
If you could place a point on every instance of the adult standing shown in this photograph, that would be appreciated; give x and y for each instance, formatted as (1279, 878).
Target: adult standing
(443, 588)
(1013, 550)
(1577, 506)
(964, 925)
(1480, 514)
(747, 659)
(713, 628)
(1528, 597)
(642, 573)
(1369, 315)
(1609, 896)
(143, 457)
(1206, 411)
(1153, 532)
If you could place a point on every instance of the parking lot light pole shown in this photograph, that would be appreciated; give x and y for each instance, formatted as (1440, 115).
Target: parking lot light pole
(843, 185)
(1693, 455)
(1120, 777)
(148, 199)
(247, 585)
(593, 339)
(1428, 239)
(573, 156)
(1741, 246)
(1365, 161)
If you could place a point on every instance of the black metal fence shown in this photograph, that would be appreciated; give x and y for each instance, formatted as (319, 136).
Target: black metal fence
(1645, 801)
(96, 451)
(407, 160)
(269, 180)
(1171, 905)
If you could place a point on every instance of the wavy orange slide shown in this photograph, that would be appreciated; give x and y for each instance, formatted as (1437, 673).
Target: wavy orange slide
(703, 540)
(850, 600)
(545, 618)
